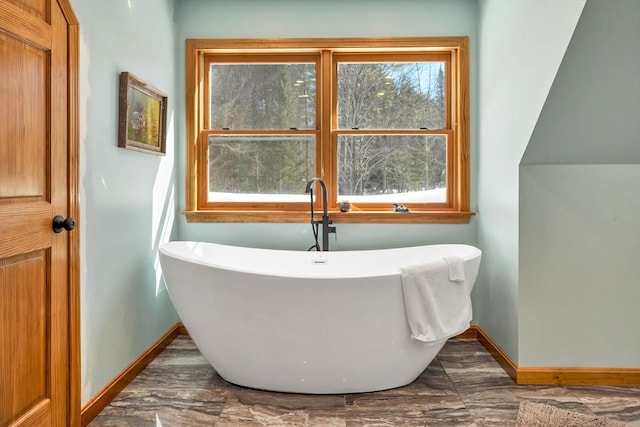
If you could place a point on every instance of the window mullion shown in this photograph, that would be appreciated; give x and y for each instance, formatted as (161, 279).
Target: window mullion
(327, 157)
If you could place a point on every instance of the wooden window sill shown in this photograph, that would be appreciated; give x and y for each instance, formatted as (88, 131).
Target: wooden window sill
(357, 217)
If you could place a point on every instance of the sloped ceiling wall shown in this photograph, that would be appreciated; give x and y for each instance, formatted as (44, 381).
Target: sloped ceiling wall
(579, 284)
(592, 113)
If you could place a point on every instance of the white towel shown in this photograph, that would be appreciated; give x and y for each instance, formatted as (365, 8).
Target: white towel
(437, 307)
(456, 268)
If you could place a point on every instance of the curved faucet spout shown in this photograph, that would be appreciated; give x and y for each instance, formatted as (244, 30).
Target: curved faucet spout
(309, 188)
(326, 229)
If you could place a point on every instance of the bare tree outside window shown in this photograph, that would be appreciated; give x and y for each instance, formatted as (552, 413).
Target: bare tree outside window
(391, 96)
(370, 96)
(261, 96)
(274, 167)
(404, 168)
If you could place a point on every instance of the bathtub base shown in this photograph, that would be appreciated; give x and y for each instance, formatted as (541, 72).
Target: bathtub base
(317, 376)
(326, 391)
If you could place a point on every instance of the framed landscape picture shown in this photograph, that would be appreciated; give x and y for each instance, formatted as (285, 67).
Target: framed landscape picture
(142, 121)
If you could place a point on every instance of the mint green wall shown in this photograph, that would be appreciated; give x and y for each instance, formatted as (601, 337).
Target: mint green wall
(127, 198)
(580, 201)
(327, 18)
(579, 256)
(592, 114)
(521, 47)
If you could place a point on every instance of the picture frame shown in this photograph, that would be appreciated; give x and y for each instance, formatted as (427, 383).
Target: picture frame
(142, 119)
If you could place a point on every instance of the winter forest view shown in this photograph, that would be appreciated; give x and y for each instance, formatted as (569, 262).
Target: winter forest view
(372, 166)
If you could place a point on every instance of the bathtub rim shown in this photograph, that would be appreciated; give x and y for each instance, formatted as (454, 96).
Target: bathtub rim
(166, 250)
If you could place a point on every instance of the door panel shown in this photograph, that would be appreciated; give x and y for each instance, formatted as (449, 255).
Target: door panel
(35, 262)
(23, 163)
(26, 309)
(26, 226)
(37, 8)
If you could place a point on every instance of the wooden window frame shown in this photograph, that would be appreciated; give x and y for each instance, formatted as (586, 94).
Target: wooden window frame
(455, 211)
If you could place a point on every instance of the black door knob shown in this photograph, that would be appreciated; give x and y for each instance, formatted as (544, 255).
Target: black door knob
(60, 223)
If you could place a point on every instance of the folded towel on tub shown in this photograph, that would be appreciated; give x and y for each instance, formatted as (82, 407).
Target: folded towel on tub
(456, 268)
(437, 307)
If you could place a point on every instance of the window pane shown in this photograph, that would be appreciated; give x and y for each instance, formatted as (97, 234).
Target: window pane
(391, 95)
(263, 96)
(392, 168)
(260, 168)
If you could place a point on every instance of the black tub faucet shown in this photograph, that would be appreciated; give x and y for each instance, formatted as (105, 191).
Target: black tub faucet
(325, 221)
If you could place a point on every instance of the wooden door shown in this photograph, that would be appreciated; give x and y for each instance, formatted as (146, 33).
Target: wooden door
(38, 180)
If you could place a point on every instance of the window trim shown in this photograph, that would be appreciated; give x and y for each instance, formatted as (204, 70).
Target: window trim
(196, 209)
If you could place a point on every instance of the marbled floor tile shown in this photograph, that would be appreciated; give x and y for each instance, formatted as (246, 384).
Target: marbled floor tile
(246, 407)
(450, 418)
(181, 341)
(469, 383)
(503, 411)
(432, 381)
(483, 383)
(376, 410)
(464, 351)
(481, 363)
(180, 356)
(621, 403)
(166, 418)
(463, 386)
(118, 420)
(173, 406)
(606, 391)
(193, 376)
(550, 393)
(493, 400)
(625, 411)
(494, 412)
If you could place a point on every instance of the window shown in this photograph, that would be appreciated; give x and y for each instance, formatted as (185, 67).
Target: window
(382, 121)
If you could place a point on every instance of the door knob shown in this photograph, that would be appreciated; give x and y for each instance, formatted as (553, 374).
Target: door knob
(60, 223)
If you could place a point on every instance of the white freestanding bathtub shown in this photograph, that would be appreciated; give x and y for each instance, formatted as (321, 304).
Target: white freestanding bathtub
(303, 322)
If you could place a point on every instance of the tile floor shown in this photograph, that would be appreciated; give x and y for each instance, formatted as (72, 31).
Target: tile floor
(464, 386)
